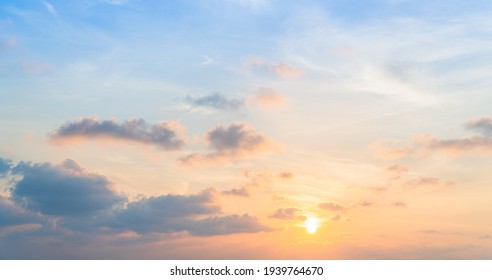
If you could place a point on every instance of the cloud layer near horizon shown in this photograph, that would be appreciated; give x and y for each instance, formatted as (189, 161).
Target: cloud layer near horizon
(82, 201)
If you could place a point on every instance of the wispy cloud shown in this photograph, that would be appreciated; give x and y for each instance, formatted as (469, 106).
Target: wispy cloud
(266, 98)
(281, 69)
(215, 101)
(262, 98)
(166, 135)
(399, 204)
(116, 2)
(230, 143)
(50, 8)
(288, 214)
(424, 144)
(207, 60)
(237, 192)
(251, 4)
(331, 206)
(396, 169)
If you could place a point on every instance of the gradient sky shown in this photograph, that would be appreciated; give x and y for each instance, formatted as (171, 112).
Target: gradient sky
(215, 129)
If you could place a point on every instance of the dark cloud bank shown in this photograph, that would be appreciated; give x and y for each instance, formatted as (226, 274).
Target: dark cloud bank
(67, 200)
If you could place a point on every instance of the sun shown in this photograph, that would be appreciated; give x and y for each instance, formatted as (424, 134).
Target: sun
(311, 224)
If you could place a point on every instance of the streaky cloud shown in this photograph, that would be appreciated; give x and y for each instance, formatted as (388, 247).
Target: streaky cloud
(237, 192)
(280, 69)
(331, 206)
(167, 135)
(215, 101)
(423, 145)
(288, 214)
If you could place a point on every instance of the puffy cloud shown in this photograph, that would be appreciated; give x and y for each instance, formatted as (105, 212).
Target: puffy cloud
(165, 135)
(330, 206)
(11, 214)
(168, 213)
(5, 166)
(66, 203)
(236, 137)
(230, 143)
(62, 190)
(281, 69)
(195, 214)
(216, 101)
(288, 214)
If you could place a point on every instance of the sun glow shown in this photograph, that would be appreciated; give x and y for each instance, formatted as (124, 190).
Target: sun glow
(311, 224)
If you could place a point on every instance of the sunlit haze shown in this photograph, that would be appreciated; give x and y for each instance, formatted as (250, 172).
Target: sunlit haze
(245, 129)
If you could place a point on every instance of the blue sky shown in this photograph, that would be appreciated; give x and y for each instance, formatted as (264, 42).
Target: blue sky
(245, 119)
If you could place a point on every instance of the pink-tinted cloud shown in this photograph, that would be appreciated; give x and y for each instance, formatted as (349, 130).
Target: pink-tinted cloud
(288, 214)
(281, 69)
(423, 145)
(336, 218)
(396, 169)
(426, 182)
(166, 135)
(234, 142)
(266, 98)
(399, 204)
(237, 192)
(330, 206)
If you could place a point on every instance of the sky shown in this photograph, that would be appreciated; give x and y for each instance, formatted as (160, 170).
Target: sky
(245, 129)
